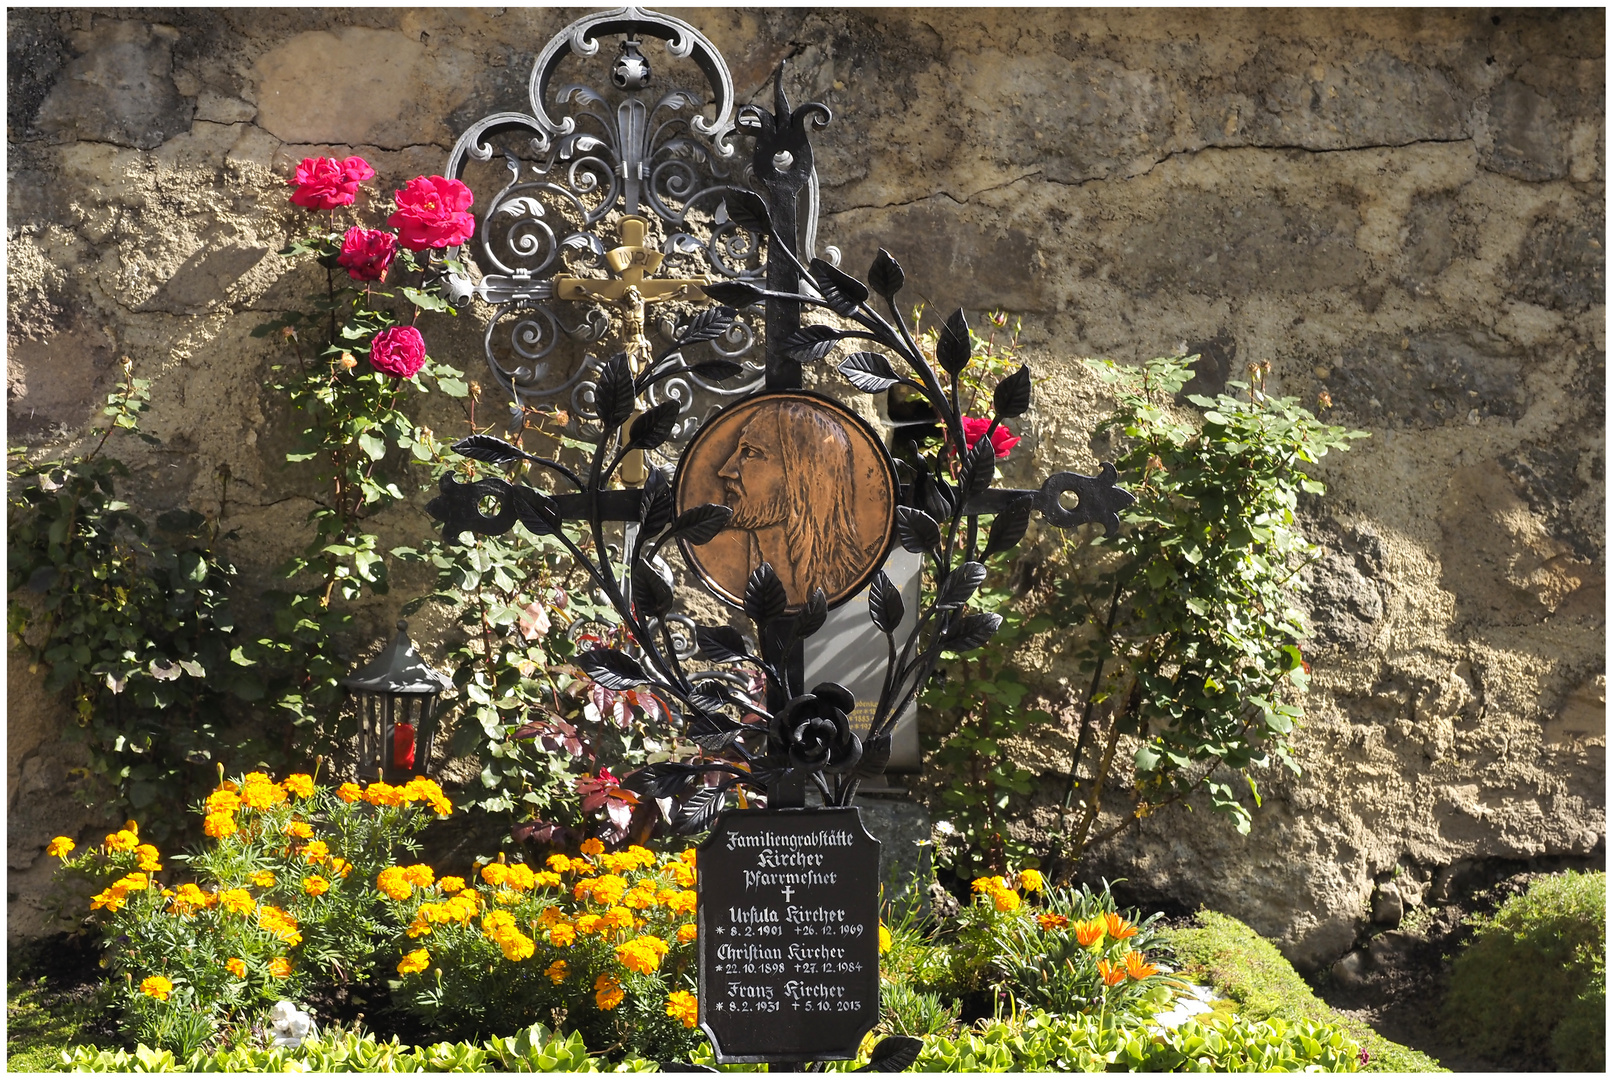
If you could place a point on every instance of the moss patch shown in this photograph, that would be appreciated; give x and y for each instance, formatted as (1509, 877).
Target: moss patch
(1248, 969)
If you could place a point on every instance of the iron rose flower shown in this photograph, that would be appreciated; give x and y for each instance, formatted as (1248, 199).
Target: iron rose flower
(367, 253)
(432, 213)
(814, 730)
(325, 183)
(398, 351)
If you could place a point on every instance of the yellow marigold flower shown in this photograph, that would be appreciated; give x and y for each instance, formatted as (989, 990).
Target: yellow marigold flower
(687, 855)
(639, 899)
(616, 918)
(1049, 921)
(988, 884)
(608, 992)
(219, 825)
(688, 932)
(495, 874)
(642, 954)
(642, 855)
(451, 885)
(238, 901)
(111, 898)
(609, 889)
(393, 883)
(1031, 880)
(682, 873)
(419, 874)
(496, 921)
(1005, 900)
(582, 888)
(314, 885)
(682, 1005)
(557, 972)
(383, 794)
(263, 879)
(223, 801)
(617, 862)
(156, 986)
(260, 793)
(1088, 932)
(1118, 927)
(1112, 974)
(559, 863)
(122, 840)
(562, 935)
(300, 829)
(516, 946)
(521, 876)
(884, 939)
(60, 847)
(1137, 968)
(279, 924)
(280, 967)
(413, 962)
(300, 785)
(188, 899)
(592, 846)
(546, 879)
(349, 792)
(587, 924)
(683, 903)
(236, 966)
(134, 882)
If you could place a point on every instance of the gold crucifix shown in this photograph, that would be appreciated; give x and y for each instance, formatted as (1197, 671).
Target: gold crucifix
(633, 288)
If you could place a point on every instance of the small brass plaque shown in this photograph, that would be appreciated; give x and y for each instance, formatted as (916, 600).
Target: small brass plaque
(812, 489)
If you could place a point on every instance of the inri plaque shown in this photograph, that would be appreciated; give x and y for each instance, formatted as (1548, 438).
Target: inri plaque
(789, 935)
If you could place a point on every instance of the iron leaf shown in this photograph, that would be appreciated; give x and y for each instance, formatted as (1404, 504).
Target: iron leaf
(842, 292)
(652, 593)
(718, 370)
(869, 372)
(894, 1054)
(722, 644)
(653, 428)
(960, 585)
(612, 669)
(698, 810)
(748, 210)
(765, 599)
(885, 605)
(494, 451)
(701, 524)
(952, 349)
(736, 294)
(614, 392)
(979, 468)
(876, 755)
(707, 325)
(536, 511)
(811, 343)
(917, 531)
(656, 503)
(1008, 527)
(885, 275)
(811, 618)
(972, 631)
(1013, 395)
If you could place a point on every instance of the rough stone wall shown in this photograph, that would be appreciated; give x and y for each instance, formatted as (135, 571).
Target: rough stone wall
(1404, 208)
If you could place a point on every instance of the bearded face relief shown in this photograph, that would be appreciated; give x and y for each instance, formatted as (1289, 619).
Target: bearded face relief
(812, 490)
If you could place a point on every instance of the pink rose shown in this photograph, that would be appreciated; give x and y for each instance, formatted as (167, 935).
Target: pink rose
(367, 253)
(399, 351)
(325, 183)
(433, 213)
(1002, 440)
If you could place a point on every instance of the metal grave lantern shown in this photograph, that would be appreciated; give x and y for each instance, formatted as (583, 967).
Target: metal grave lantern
(632, 218)
(395, 696)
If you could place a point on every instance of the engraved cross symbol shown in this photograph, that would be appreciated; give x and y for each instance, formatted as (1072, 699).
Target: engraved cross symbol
(633, 288)
(789, 891)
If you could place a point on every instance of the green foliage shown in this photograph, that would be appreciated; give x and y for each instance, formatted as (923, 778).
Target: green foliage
(1534, 977)
(1248, 969)
(40, 1021)
(906, 1011)
(132, 621)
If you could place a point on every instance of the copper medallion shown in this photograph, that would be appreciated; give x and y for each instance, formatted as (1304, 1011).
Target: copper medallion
(812, 489)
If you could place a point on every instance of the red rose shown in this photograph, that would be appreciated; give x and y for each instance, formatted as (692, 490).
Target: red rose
(325, 183)
(1002, 440)
(399, 351)
(367, 253)
(432, 213)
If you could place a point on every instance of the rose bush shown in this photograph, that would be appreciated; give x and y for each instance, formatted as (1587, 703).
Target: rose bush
(367, 253)
(433, 213)
(325, 183)
(398, 351)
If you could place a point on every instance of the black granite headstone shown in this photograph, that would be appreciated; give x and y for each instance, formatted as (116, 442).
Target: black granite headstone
(789, 935)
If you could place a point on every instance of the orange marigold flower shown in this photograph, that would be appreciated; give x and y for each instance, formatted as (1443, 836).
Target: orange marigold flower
(419, 874)
(219, 825)
(582, 888)
(592, 846)
(495, 874)
(682, 873)
(587, 924)
(223, 801)
(300, 785)
(1136, 968)
(682, 1005)
(60, 847)
(188, 899)
(122, 840)
(1112, 974)
(683, 903)
(315, 850)
(1118, 927)
(546, 879)
(516, 946)
(279, 924)
(156, 986)
(263, 879)
(643, 954)
(314, 885)
(687, 933)
(238, 901)
(550, 916)
(520, 876)
(339, 867)
(608, 992)
(260, 793)
(413, 962)
(451, 885)
(349, 792)
(988, 884)
(639, 899)
(617, 918)
(300, 829)
(557, 972)
(560, 863)
(280, 967)
(1005, 900)
(236, 966)
(1088, 931)
(562, 935)
(393, 883)
(383, 794)
(1049, 921)
(688, 856)
(641, 855)
(149, 857)
(609, 889)
(1031, 880)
